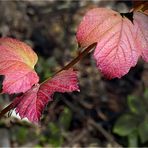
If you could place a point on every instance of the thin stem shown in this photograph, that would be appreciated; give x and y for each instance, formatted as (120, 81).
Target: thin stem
(107, 135)
(76, 60)
(6, 109)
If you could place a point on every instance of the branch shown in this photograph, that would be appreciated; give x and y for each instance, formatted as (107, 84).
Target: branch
(78, 58)
(6, 109)
(107, 135)
(75, 61)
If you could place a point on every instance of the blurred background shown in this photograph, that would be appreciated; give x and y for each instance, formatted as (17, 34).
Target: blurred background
(106, 113)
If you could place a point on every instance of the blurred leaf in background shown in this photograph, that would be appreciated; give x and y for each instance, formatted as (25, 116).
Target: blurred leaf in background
(55, 139)
(135, 122)
(56, 129)
(65, 118)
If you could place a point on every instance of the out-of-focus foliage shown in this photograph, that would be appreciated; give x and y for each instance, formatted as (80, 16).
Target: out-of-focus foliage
(57, 129)
(135, 122)
(65, 119)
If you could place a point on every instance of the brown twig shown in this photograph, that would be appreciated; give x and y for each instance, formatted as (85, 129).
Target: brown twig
(6, 109)
(108, 136)
(76, 60)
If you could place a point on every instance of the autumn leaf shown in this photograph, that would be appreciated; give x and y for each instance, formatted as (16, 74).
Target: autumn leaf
(32, 103)
(117, 49)
(17, 61)
(141, 33)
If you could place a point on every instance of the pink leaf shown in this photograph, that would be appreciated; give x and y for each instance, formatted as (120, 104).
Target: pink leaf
(32, 103)
(17, 62)
(117, 50)
(141, 28)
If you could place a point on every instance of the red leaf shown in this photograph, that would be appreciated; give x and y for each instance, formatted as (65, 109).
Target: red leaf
(29, 104)
(32, 103)
(17, 62)
(116, 51)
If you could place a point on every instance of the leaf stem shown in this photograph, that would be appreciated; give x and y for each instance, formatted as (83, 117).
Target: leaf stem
(133, 139)
(6, 109)
(75, 60)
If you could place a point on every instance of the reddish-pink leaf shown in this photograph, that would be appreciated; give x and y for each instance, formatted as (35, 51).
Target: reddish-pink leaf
(32, 103)
(141, 29)
(17, 62)
(116, 51)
